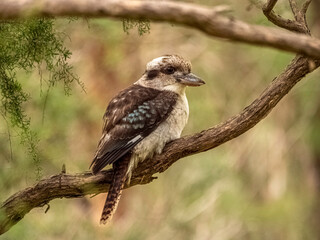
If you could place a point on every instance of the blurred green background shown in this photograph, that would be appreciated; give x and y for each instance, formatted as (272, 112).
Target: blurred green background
(261, 185)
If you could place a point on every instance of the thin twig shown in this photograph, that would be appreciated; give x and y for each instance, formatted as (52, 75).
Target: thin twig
(305, 6)
(300, 14)
(70, 186)
(303, 13)
(268, 7)
(291, 25)
(295, 10)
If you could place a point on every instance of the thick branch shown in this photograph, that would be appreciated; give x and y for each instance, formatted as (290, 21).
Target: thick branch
(70, 186)
(205, 19)
(208, 21)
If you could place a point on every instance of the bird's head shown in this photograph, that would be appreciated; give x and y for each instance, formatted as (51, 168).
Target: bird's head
(169, 72)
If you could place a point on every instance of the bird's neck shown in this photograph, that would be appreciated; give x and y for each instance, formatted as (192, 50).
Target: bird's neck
(176, 88)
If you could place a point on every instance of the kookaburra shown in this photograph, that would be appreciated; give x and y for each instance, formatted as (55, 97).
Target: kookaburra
(141, 119)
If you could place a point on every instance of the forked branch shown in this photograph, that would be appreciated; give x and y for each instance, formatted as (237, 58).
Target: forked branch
(78, 185)
(299, 24)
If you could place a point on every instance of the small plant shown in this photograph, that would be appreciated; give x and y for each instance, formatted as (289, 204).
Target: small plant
(25, 46)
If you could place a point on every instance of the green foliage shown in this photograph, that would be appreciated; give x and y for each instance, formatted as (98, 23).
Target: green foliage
(261, 185)
(143, 26)
(25, 46)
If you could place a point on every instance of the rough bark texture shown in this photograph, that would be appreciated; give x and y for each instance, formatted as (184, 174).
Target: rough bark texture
(207, 20)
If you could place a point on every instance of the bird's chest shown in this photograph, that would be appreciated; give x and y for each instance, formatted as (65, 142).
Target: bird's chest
(167, 131)
(172, 127)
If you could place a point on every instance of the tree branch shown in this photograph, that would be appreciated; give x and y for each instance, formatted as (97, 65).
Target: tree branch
(295, 10)
(207, 20)
(297, 25)
(71, 186)
(278, 20)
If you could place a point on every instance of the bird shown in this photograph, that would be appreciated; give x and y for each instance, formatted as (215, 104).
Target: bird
(140, 120)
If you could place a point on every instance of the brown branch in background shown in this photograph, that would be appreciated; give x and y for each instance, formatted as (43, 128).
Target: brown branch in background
(205, 19)
(305, 6)
(303, 12)
(78, 185)
(278, 20)
(300, 14)
(268, 7)
(298, 25)
(295, 10)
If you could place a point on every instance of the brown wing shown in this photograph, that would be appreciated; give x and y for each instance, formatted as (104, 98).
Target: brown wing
(130, 117)
(127, 100)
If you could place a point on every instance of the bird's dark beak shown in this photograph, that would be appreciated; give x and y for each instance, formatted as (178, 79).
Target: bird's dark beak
(190, 80)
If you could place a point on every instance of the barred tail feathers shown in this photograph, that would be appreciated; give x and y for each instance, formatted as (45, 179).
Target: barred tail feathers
(114, 194)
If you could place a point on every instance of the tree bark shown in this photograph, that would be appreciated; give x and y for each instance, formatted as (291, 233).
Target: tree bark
(208, 20)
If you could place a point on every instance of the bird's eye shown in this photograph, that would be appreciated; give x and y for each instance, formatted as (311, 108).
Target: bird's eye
(169, 70)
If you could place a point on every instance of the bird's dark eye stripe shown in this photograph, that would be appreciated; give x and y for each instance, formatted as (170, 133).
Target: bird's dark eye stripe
(152, 74)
